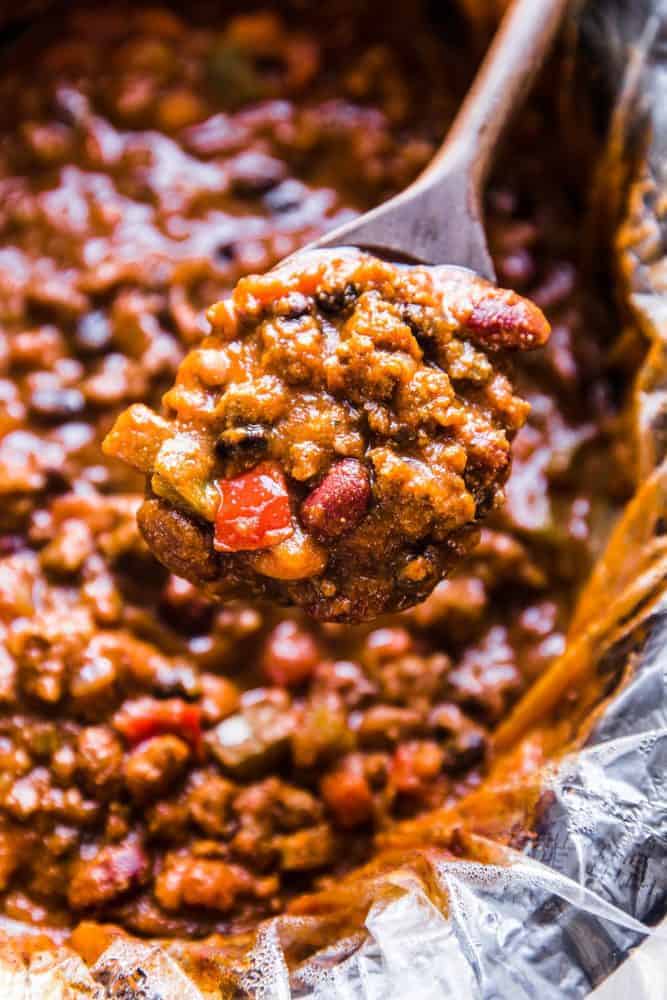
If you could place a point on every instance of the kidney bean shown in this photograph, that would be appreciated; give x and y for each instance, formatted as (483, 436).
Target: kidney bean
(290, 655)
(339, 502)
(503, 320)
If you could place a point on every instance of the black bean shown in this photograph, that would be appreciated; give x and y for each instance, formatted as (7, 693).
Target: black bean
(226, 252)
(337, 300)
(251, 438)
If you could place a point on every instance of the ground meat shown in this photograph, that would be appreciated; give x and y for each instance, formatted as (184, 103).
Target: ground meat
(110, 873)
(402, 442)
(209, 804)
(154, 766)
(202, 882)
(99, 757)
(307, 849)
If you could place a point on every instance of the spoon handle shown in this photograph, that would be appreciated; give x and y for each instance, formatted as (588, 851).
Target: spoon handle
(503, 81)
(438, 218)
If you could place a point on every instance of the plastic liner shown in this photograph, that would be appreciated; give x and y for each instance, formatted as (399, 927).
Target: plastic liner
(552, 922)
(553, 919)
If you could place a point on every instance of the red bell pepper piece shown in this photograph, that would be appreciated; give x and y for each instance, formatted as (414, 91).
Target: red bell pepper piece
(146, 717)
(254, 511)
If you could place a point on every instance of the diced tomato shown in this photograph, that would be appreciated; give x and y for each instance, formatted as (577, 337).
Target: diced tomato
(254, 511)
(415, 764)
(146, 717)
(348, 796)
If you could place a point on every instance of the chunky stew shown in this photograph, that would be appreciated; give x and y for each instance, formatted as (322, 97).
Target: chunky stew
(169, 763)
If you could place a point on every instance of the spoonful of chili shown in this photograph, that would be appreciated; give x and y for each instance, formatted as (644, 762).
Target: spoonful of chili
(337, 439)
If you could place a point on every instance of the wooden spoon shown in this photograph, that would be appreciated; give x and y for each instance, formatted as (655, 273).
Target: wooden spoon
(438, 218)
